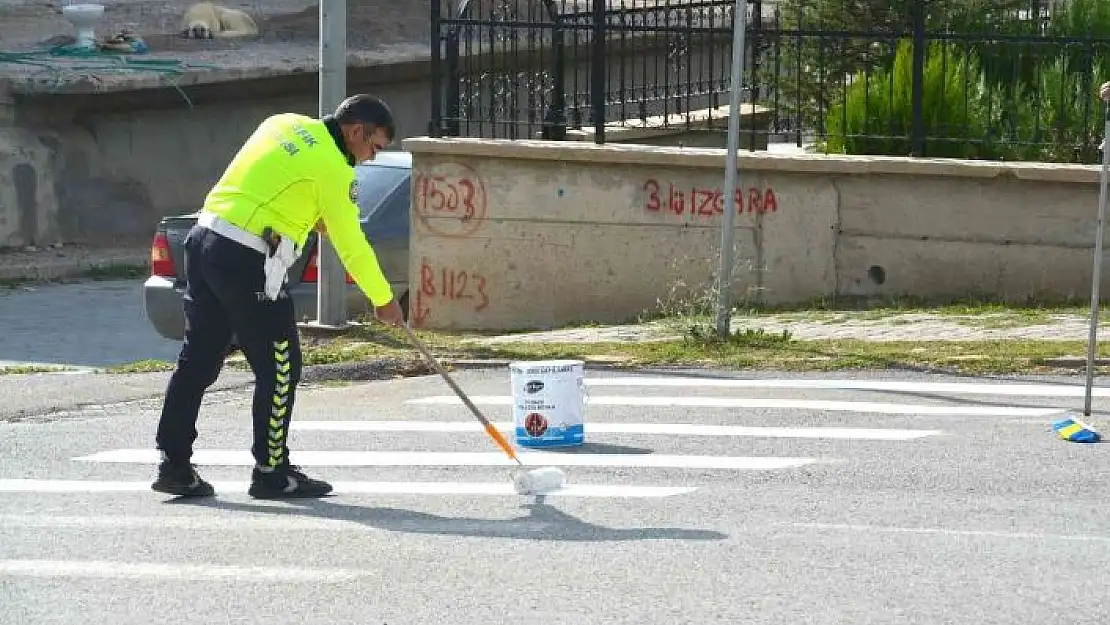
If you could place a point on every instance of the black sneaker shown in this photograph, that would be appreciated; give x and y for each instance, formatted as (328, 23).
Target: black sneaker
(285, 483)
(181, 480)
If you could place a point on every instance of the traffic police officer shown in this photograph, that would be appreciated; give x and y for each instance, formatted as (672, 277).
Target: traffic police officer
(294, 174)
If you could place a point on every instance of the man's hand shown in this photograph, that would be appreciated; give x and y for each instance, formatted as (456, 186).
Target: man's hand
(390, 314)
(1104, 92)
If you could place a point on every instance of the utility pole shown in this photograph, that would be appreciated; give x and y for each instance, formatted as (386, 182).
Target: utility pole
(331, 303)
(728, 237)
(1096, 273)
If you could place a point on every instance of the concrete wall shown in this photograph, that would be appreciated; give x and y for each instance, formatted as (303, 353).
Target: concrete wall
(102, 169)
(90, 163)
(516, 235)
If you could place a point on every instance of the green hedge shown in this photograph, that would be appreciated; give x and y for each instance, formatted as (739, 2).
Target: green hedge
(998, 100)
(876, 116)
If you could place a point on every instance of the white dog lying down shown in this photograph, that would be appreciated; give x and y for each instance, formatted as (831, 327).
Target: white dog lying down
(205, 20)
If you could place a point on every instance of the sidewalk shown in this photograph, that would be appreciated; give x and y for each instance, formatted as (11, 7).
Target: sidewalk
(52, 263)
(858, 325)
(878, 325)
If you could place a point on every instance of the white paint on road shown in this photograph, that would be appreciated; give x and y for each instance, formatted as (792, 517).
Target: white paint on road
(951, 532)
(765, 403)
(229, 457)
(143, 571)
(894, 386)
(671, 429)
(246, 522)
(361, 488)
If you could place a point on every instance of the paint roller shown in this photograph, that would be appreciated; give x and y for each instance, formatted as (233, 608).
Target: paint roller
(526, 482)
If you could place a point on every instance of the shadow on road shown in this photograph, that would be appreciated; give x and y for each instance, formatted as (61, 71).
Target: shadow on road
(542, 522)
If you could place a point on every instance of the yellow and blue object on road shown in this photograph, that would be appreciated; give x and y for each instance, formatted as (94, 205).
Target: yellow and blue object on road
(1074, 431)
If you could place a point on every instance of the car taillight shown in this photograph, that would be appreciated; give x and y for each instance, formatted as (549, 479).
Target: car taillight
(311, 271)
(161, 260)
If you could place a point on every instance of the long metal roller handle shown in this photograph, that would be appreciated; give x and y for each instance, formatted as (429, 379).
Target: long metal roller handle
(490, 429)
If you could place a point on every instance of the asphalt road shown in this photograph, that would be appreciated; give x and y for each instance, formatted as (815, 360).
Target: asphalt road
(91, 324)
(933, 506)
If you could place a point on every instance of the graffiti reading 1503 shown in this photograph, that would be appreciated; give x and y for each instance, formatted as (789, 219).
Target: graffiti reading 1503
(449, 199)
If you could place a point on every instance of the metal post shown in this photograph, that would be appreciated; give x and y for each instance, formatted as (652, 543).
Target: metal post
(917, 78)
(435, 125)
(331, 305)
(728, 237)
(1096, 276)
(598, 78)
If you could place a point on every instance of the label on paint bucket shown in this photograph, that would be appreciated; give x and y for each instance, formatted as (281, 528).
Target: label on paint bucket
(548, 402)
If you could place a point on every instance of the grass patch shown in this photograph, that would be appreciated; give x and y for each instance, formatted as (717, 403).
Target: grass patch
(25, 369)
(685, 304)
(973, 357)
(745, 349)
(141, 366)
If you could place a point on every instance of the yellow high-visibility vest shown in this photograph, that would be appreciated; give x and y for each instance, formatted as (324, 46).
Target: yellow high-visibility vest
(289, 175)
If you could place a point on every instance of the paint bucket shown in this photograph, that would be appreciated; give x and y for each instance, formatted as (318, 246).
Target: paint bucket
(548, 402)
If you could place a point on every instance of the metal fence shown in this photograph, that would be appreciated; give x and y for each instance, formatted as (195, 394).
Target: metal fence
(996, 79)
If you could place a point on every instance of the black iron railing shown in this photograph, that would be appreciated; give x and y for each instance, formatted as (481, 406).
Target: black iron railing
(997, 79)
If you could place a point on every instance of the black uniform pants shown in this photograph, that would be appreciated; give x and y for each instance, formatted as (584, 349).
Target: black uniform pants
(224, 294)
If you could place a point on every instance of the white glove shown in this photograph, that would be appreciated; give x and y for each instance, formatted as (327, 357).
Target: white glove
(277, 267)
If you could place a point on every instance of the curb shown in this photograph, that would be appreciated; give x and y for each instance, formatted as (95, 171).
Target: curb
(57, 269)
(1075, 362)
(597, 365)
(389, 368)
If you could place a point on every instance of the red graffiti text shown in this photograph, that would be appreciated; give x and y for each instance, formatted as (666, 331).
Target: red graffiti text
(698, 202)
(449, 199)
(445, 284)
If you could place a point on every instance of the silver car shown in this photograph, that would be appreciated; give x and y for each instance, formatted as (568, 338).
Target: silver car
(384, 202)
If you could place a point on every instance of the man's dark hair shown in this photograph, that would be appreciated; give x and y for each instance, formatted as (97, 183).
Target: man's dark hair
(365, 109)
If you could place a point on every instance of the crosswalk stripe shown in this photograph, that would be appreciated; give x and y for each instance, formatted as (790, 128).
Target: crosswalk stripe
(283, 522)
(749, 402)
(196, 572)
(1009, 536)
(228, 457)
(673, 429)
(361, 488)
(970, 388)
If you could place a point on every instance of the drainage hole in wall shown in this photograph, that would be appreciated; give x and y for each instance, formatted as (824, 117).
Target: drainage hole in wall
(877, 274)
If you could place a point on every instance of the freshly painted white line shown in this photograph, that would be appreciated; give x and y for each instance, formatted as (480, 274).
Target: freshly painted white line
(969, 388)
(228, 457)
(751, 402)
(236, 522)
(283, 523)
(104, 569)
(951, 532)
(674, 429)
(341, 488)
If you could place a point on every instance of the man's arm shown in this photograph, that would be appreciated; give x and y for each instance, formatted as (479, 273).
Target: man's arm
(340, 217)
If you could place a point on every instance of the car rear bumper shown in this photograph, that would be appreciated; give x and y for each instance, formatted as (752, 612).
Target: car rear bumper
(163, 308)
(162, 303)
